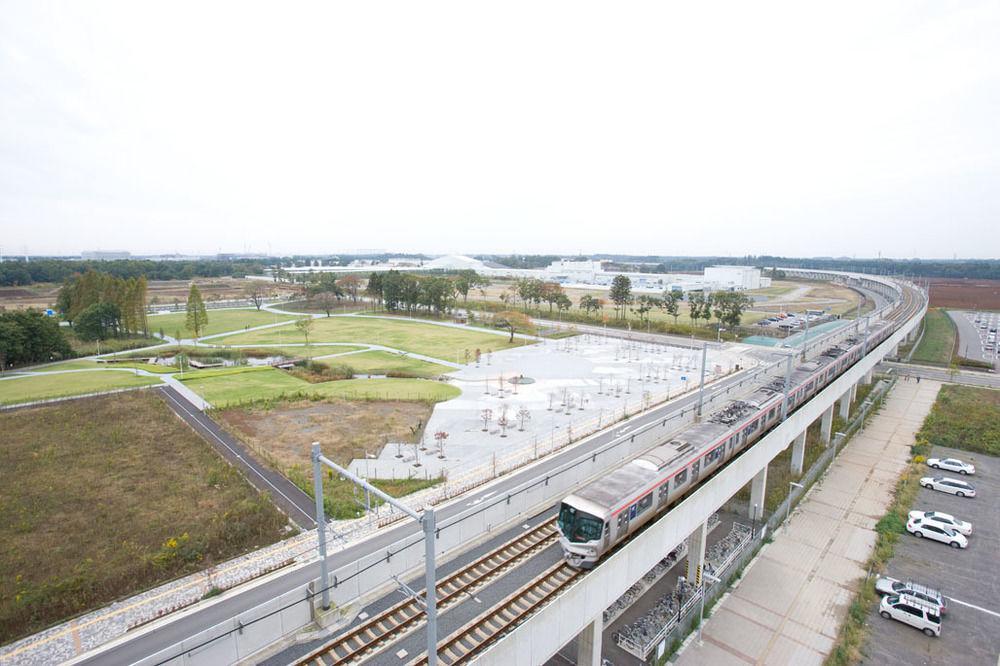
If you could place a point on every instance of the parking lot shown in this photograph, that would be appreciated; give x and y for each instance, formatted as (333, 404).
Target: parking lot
(969, 578)
(977, 337)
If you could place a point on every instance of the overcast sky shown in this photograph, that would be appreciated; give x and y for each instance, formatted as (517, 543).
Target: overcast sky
(534, 127)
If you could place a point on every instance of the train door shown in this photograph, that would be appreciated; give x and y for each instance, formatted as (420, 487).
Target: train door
(695, 469)
(623, 523)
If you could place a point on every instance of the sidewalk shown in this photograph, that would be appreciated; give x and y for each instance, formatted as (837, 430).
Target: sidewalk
(794, 596)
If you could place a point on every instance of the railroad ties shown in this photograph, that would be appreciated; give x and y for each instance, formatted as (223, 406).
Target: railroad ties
(379, 631)
(462, 646)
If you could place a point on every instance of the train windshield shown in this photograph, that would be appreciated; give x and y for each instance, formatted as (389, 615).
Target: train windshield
(579, 526)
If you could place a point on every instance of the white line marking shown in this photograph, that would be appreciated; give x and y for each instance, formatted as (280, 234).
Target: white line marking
(236, 453)
(994, 614)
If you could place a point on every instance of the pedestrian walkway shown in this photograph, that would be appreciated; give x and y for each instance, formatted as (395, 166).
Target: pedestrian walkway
(790, 603)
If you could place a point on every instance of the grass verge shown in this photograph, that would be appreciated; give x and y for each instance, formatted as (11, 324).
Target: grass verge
(966, 418)
(63, 385)
(938, 343)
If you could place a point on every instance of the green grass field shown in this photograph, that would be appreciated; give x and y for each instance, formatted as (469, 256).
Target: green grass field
(219, 321)
(85, 364)
(444, 342)
(43, 387)
(382, 363)
(296, 351)
(233, 388)
(938, 343)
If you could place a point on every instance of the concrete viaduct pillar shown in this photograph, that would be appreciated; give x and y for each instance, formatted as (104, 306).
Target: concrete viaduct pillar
(867, 379)
(757, 488)
(826, 426)
(588, 643)
(845, 405)
(798, 453)
(854, 391)
(696, 554)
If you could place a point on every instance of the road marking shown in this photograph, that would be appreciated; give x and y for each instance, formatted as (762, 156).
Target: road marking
(973, 606)
(477, 501)
(238, 456)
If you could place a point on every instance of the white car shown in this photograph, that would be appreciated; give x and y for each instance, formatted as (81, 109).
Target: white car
(920, 530)
(944, 520)
(888, 585)
(913, 612)
(946, 485)
(952, 465)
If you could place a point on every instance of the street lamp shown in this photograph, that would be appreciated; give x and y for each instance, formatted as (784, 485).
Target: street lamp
(701, 607)
(721, 331)
(788, 505)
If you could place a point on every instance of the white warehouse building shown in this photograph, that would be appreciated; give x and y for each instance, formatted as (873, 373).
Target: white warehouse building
(736, 278)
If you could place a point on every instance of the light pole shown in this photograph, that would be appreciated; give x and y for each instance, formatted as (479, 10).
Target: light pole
(721, 331)
(701, 607)
(788, 505)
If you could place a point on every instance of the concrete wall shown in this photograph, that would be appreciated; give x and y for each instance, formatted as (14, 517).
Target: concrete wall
(541, 636)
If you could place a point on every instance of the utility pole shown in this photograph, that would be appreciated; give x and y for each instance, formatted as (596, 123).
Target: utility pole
(788, 380)
(324, 572)
(427, 522)
(701, 386)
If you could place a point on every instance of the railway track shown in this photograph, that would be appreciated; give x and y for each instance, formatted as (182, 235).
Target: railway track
(462, 646)
(377, 632)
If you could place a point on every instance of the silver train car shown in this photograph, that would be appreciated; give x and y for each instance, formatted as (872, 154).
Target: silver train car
(605, 512)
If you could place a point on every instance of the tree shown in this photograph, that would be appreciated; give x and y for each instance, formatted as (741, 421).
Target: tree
(563, 303)
(550, 292)
(255, 292)
(672, 303)
(28, 336)
(324, 292)
(696, 301)
(197, 316)
(374, 287)
(589, 303)
(730, 305)
(305, 326)
(515, 322)
(621, 294)
(350, 285)
(100, 321)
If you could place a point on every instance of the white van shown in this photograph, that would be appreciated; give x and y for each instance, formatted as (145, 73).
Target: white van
(912, 611)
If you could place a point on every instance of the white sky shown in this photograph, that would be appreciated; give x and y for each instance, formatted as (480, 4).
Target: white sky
(534, 127)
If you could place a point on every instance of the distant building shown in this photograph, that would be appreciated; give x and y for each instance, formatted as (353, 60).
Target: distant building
(735, 278)
(105, 255)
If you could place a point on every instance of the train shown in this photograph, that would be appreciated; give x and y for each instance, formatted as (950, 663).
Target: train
(602, 514)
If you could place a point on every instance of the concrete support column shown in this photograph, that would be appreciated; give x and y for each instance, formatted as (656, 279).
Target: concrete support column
(588, 643)
(757, 488)
(854, 391)
(867, 379)
(696, 554)
(798, 453)
(826, 426)
(845, 405)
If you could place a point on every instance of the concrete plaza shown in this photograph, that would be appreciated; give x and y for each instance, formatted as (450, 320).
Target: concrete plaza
(790, 603)
(556, 389)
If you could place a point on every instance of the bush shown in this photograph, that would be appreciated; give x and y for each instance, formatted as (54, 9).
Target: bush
(964, 417)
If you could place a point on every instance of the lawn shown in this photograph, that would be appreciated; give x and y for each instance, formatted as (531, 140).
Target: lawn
(86, 364)
(938, 343)
(291, 351)
(443, 342)
(383, 363)
(234, 388)
(42, 387)
(89, 348)
(280, 435)
(964, 417)
(219, 321)
(87, 520)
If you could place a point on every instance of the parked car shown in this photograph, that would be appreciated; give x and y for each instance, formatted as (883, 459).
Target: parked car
(888, 585)
(945, 520)
(946, 485)
(952, 465)
(920, 530)
(911, 611)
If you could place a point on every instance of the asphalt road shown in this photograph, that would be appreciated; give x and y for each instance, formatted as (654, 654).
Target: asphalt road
(973, 336)
(298, 506)
(969, 578)
(200, 618)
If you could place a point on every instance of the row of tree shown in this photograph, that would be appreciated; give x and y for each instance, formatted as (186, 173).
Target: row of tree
(394, 290)
(17, 272)
(28, 336)
(101, 305)
(534, 291)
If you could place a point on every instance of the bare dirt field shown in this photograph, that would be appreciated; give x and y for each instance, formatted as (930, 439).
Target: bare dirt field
(965, 294)
(282, 436)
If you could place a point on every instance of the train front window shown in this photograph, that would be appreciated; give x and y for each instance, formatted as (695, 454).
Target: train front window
(579, 526)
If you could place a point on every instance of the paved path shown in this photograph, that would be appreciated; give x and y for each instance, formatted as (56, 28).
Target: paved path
(967, 377)
(789, 605)
(295, 503)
